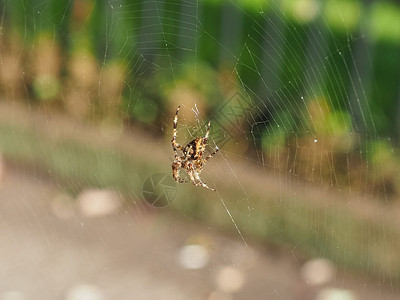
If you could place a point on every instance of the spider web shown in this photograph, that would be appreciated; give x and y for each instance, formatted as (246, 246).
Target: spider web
(307, 149)
(295, 105)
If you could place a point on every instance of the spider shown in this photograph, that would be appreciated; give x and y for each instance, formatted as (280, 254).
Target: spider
(192, 160)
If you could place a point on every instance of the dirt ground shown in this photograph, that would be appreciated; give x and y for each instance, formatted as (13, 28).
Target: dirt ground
(51, 249)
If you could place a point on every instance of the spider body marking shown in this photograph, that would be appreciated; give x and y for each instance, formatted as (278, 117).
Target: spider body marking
(192, 161)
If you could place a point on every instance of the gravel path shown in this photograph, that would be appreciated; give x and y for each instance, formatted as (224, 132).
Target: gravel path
(52, 248)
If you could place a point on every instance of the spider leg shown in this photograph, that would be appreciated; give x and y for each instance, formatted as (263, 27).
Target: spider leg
(175, 145)
(211, 155)
(176, 167)
(201, 183)
(189, 153)
(190, 173)
(208, 131)
(195, 178)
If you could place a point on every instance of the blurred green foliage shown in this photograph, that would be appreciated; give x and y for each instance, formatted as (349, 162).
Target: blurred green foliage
(323, 78)
(326, 71)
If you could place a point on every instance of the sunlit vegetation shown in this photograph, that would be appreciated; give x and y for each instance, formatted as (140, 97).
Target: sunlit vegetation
(320, 80)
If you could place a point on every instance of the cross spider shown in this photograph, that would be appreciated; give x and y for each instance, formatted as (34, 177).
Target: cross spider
(192, 160)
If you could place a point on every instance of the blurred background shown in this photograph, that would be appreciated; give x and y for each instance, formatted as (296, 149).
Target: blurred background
(303, 98)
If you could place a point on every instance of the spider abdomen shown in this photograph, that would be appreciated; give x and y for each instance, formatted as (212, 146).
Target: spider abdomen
(195, 148)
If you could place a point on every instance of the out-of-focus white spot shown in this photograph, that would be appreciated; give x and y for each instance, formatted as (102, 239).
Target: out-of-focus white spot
(61, 206)
(335, 294)
(98, 202)
(193, 257)
(230, 279)
(218, 295)
(317, 271)
(84, 292)
(315, 140)
(13, 295)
